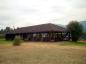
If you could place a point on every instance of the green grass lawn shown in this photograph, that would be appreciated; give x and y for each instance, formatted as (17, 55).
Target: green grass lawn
(74, 43)
(43, 53)
(3, 41)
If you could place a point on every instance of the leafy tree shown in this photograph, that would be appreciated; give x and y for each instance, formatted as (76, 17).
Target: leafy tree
(4, 31)
(75, 28)
(1, 31)
(2, 34)
(7, 29)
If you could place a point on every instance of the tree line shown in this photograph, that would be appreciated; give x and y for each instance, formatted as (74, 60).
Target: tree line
(7, 29)
(3, 31)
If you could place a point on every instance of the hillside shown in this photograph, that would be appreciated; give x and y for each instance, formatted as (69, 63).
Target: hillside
(84, 25)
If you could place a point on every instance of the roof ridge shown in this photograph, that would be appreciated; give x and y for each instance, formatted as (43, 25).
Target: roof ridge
(34, 25)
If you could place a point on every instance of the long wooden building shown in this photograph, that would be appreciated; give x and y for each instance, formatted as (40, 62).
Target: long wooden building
(43, 32)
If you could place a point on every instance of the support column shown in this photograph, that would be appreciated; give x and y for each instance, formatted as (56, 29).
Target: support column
(40, 37)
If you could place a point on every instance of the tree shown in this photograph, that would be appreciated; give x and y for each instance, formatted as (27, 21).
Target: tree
(8, 29)
(75, 28)
(1, 31)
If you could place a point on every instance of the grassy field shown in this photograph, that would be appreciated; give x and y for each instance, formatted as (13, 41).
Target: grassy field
(42, 53)
(3, 41)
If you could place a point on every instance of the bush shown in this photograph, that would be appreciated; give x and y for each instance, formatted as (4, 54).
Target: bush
(17, 41)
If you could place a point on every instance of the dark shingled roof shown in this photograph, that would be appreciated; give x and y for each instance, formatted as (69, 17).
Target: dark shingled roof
(40, 28)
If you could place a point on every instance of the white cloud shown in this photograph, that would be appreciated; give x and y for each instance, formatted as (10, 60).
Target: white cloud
(29, 12)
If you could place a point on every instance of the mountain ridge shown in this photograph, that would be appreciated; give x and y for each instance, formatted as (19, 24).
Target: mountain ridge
(83, 23)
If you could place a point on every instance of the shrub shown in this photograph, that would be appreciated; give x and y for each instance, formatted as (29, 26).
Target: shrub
(17, 41)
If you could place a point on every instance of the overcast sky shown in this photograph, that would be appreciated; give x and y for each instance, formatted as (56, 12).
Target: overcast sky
(20, 13)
